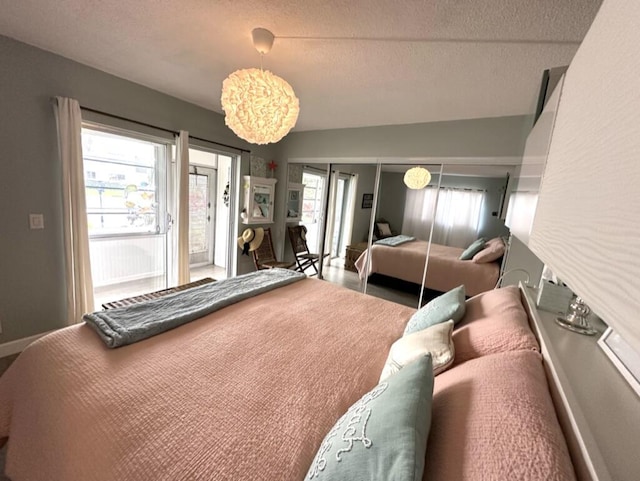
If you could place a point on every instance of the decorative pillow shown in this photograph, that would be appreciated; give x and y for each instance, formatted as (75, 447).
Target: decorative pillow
(495, 321)
(493, 418)
(383, 435)
(493, 251)
(384, 230)
(449, 305)
(435, 340)
(473, 249)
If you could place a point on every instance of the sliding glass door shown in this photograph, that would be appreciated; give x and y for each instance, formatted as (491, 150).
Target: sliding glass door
(209, 227)
(201, 182)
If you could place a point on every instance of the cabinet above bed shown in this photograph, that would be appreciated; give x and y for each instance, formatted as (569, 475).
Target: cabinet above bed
(523, 197)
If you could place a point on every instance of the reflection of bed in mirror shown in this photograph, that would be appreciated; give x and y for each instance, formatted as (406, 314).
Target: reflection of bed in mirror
(445, 269)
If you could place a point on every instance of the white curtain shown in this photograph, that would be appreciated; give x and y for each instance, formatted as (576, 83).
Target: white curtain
(182, 196)
(418, 212)
(520, 213)
(331, 215)
(76, 233)
(457, 218)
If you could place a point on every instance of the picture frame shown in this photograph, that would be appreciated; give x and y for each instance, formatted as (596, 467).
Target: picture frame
(367, 201)
(623, 356)
(294, 195)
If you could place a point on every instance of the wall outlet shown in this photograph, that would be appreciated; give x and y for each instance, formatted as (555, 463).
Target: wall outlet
(36, 221)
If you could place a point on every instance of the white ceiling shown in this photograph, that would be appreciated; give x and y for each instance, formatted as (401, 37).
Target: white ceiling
(359, 63)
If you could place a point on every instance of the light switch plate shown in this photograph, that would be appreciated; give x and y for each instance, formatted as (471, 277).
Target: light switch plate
(36, 221)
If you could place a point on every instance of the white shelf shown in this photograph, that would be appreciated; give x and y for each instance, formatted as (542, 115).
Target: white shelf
(598, 410)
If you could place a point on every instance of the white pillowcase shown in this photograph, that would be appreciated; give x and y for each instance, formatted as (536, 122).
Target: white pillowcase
(435, 340)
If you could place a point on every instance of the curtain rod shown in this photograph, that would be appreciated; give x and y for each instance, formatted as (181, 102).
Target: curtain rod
(456, 188)
(160, 128)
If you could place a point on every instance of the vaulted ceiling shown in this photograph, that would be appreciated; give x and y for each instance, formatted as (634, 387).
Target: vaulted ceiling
(352, 63)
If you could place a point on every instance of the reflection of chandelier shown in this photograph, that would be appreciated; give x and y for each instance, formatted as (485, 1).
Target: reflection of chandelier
(417, 178)
(259, 107)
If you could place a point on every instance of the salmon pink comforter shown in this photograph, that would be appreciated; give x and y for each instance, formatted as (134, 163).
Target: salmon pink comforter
(245, 393)
(445, 270)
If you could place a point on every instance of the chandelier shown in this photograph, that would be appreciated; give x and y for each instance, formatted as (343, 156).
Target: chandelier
(259, 107)
(417, 178)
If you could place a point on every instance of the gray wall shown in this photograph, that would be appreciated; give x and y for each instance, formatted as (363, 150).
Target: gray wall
(393, 193)
(489, 137)
(32, 291)
(366, 185)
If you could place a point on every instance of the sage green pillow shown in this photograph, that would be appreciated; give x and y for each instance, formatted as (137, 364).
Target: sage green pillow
(450, 305)
(473, 249)
(384, 435)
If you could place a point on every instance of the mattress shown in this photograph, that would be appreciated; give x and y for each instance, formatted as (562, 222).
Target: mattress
(445, 270)
(247, 392)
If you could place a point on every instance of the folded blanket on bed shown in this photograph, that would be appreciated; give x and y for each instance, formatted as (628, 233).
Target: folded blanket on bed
(129, 324)
(396, 240)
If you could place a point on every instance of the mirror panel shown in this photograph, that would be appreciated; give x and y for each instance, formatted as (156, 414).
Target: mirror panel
(469, 201)
(460, 204)
(305, 205)
(397, 271)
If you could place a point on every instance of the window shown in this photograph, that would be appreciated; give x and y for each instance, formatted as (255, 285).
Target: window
(314, 185)
(125, 187)
(312, 197)
(457, 219)
(122, 183)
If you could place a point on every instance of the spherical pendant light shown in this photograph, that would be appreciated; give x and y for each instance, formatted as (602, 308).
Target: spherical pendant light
(259, 107)
(417, 178)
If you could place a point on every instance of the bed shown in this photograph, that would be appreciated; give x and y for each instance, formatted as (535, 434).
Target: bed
(445, 270)
(248, 392)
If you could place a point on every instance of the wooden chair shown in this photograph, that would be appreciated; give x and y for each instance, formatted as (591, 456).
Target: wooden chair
(264, 257)
(304, 258)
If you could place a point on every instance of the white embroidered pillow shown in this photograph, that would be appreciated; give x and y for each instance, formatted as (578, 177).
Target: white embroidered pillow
(435, 340)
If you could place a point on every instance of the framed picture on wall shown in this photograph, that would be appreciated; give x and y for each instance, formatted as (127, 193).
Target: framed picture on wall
(367, 201)
(623, 356)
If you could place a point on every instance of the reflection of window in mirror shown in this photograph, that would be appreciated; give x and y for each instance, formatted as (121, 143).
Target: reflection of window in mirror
(315, 182)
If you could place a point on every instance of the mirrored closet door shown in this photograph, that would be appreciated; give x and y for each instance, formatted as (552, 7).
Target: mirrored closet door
(469, 237)
(399, 232)
(415, 236)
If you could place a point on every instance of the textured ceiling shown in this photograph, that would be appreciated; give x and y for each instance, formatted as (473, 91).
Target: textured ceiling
(353, 62)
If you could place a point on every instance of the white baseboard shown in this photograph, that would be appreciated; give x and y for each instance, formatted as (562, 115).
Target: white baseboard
(15, 347)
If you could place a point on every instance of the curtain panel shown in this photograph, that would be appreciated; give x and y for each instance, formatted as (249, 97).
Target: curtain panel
(457, 218)
(182, 195)
(75, 230)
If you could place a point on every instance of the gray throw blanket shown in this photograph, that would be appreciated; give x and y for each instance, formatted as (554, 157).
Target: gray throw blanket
(396, 240)
(129, 324)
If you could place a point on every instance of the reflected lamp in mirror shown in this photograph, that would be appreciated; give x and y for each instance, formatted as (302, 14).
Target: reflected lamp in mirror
(417, 178)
